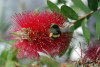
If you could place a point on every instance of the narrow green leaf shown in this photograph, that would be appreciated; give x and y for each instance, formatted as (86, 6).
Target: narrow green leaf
(97, 17)
(86, 32)
(93, 4)
(69, 52)
(53, 6)
(80, 5)
(69, 12)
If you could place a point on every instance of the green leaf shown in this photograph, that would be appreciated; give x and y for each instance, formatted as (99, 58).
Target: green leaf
(69, 12)
(80, 4)
(93, 4)
(76, 25)
(52, 6)
(86, 32)
(97, 17)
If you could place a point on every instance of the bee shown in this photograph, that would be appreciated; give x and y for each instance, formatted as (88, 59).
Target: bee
(55, 31)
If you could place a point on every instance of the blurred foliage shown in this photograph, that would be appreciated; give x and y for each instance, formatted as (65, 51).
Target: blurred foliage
(50, 62)
(8, 58)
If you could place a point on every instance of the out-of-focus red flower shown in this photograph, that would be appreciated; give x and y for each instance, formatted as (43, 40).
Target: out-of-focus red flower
(93, 52)
(33, 28)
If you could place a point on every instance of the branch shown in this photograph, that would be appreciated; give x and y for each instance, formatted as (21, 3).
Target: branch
(87, 15)
(83, 17)
(67, 27)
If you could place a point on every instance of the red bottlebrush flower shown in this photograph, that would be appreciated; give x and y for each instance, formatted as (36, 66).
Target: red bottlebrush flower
(93, 53)
(33, 28)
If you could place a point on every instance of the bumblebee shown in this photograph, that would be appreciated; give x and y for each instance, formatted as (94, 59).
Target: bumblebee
(54, 31)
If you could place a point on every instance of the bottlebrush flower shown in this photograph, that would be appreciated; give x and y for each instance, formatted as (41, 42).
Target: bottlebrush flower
(33, 29)
(93, 53)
